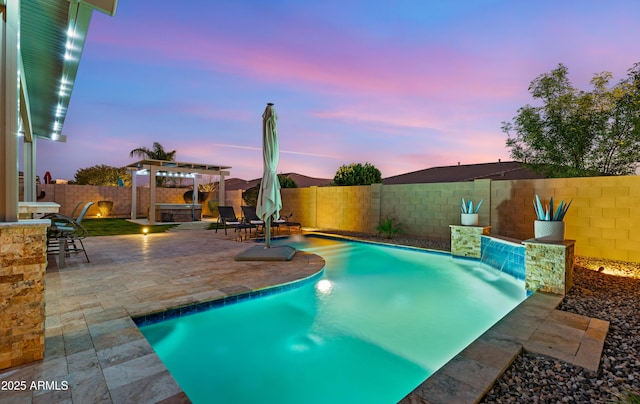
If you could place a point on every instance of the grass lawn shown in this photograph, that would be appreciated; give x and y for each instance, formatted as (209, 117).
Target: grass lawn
(115, 227)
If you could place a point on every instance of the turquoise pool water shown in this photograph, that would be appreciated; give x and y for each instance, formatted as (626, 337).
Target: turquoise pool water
(374, 326)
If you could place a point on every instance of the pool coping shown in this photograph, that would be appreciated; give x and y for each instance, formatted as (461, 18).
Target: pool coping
(186, 310)
(535, 326)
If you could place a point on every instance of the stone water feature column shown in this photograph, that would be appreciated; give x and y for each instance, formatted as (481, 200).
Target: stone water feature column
(465, 240)
(549, 266)
(23, 261)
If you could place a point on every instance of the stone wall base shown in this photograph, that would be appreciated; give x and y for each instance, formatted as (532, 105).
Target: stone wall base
(548, 265)
(465, 240)
(23, 262)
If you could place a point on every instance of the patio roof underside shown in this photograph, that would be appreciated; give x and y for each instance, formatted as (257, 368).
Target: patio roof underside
(52, 37)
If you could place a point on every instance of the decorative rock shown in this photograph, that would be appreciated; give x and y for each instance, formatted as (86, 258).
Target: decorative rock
(596, 294)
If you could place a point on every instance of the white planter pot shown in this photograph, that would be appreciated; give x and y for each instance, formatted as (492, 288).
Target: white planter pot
(548, 231)
(469, 219)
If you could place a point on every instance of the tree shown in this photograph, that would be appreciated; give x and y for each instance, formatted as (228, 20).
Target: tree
(579, 133)
(357, 174)
(102, 175)
(157, 153)
(286, 182)
(250, 195)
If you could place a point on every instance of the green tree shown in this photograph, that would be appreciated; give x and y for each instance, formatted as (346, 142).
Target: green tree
(156, 153)
(250, 195)
(102, 175)
(357, 174)
(286, 182)
(578, 133)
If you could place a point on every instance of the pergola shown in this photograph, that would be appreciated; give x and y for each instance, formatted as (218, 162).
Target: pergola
(174, 169)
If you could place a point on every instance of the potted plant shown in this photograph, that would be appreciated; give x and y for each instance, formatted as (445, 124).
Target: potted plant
(469, 215)
(549, 225)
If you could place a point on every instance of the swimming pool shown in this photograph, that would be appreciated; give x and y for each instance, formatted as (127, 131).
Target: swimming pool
(377, 323)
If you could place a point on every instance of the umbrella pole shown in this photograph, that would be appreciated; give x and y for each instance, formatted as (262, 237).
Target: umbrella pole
(267, 233)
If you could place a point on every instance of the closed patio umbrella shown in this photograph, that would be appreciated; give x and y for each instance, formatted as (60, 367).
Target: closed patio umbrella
(269, 200)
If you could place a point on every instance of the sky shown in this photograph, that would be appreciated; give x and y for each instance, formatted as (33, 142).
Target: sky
(404, 85)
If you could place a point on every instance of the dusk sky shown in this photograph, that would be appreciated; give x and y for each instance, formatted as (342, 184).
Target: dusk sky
(404, 85)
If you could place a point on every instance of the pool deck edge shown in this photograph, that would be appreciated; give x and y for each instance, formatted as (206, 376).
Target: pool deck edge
(535, 326)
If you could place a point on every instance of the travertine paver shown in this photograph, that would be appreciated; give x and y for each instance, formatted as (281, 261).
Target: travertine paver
(94, 352)
(536, 326)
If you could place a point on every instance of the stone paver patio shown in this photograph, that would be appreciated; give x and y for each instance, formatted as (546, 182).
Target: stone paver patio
(95, 353)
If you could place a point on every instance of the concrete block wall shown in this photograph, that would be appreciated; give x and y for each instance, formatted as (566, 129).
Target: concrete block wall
(344, 208)
(67, 196)
(601, 219)
(427, 210)
(301, 202)
(233, 198)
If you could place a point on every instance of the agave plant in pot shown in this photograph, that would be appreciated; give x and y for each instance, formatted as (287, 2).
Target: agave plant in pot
(469, 214)
(549, 225)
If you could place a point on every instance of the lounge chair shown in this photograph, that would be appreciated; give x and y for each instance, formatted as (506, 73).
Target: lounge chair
(250, 216)
(290, 224)
(227, 217)
(65, 234)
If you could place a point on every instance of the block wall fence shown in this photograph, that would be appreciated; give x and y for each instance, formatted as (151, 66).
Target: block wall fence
(67, 196)
(603, 218)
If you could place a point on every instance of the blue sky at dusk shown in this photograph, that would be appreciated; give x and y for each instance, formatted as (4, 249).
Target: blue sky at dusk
(404, 85)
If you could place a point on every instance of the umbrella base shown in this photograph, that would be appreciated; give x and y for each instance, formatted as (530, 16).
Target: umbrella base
(261, 253)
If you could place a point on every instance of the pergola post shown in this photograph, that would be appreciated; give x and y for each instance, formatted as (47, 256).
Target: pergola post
(194, 199)
(134, 194)
(152, 194)
(221, 189)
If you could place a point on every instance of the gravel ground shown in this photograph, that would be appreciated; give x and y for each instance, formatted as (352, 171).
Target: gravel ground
(608, 290)
(604, 289)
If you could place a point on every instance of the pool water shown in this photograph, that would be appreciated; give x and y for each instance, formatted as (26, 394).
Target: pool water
(373, 327)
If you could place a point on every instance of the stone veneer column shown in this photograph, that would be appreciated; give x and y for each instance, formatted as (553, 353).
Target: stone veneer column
(23, 262)
(549, 266)
(465, 240)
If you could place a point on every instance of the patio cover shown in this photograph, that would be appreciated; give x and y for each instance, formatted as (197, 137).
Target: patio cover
(41, 44)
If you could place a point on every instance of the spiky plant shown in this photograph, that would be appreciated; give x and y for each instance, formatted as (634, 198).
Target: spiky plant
(467, 207)
(546, 212)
